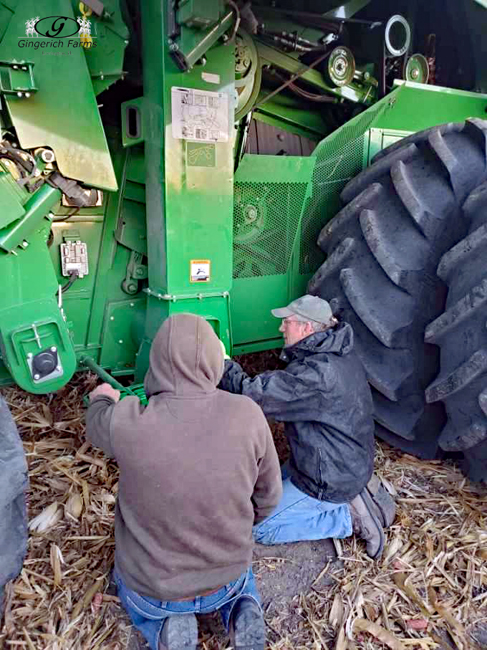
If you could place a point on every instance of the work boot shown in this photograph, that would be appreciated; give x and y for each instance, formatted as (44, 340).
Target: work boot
(366, 523)
(179, 633)
(383, 501)
(247, 627)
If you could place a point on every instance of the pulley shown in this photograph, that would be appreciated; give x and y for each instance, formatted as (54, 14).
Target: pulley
(416, 69)
(248, 73)
(341, 66)
(397, 36)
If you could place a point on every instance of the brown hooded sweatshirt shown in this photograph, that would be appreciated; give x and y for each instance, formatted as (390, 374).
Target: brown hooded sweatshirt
(198, 468)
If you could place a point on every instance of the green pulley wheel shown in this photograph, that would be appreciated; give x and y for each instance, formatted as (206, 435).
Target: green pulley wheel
(417, 69)
(248, 73)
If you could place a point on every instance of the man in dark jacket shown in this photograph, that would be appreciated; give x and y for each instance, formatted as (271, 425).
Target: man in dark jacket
(198, 468)
(325, 401)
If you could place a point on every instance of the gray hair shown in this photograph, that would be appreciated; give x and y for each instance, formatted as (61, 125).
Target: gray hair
(322, 327)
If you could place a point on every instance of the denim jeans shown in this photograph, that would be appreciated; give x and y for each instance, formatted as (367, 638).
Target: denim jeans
(148, 615)
(299, 517)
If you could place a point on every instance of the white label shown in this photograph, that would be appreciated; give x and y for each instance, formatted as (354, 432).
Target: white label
(199, 115)
(210, 77)
(200, 271)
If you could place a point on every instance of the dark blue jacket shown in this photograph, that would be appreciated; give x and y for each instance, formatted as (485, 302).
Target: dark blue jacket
(325, 401)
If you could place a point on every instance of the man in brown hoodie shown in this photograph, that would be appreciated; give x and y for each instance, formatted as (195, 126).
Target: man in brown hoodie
(198, 468)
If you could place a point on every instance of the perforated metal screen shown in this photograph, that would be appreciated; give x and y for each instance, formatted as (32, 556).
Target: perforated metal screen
(339, 158)
(266, 221)
(273, 220)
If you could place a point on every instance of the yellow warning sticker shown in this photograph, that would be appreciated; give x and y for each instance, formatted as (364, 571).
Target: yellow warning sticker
(199, 271)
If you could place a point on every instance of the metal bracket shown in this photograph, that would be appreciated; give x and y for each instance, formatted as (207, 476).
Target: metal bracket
(17, 78)
(135, 271)
(185, 296)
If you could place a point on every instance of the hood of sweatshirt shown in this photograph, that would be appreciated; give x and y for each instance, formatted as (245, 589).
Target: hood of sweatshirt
(186, 358)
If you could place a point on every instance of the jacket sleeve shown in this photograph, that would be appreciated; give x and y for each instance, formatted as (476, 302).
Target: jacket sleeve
(268, 487)
(284, 395)
(233, 376)
(98, 423)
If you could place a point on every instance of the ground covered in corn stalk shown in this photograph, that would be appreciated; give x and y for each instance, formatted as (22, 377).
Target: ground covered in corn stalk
(428, 591)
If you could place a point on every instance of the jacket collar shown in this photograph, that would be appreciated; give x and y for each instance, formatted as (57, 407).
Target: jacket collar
(338, 340)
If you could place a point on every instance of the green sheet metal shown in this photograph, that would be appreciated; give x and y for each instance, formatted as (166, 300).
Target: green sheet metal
(63, 114)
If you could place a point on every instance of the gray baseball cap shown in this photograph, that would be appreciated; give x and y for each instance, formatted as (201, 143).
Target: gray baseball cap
(306, 308)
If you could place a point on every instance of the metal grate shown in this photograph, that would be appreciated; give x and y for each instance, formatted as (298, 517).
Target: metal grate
(265, 224)
(339, 158)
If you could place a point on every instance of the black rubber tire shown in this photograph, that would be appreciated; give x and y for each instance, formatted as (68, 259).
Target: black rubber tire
(461, 333)
(13, 516)
(401, 215)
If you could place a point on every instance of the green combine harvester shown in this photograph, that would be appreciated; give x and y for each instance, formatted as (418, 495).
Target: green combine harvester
(223, 157)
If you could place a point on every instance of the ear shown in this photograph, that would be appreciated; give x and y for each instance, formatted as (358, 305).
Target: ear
(308, 329)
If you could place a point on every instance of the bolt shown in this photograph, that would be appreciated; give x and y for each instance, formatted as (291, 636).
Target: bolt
(58, 368)
(132, 304)
(54, 348)
(112, 317)
(120, 341)
(24, 67)
(37, 377)
(24, 244)
(16, 67)
(415, 73)
(27, 94)
(173, 47)
(19, 94)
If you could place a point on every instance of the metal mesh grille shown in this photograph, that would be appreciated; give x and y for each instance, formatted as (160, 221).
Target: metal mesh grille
(338, 159)
(265, 224)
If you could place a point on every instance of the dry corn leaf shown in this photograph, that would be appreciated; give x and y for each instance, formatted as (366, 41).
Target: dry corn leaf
(342, 641)
(400, 580)
(391, 641)
(46, 519)
(392, 548)
(56, 559)
(336, 613)
(445, 614)
(74, 505)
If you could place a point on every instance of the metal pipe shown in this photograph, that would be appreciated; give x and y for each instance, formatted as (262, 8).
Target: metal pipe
(103, 374)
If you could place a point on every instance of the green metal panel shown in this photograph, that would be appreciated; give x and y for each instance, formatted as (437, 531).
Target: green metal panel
(77, 301)
(267, 226)
(30, 319)
(110, 38)
(414, 107)
(121, 336)
(189, 207)
(379, 139)
(48, 117)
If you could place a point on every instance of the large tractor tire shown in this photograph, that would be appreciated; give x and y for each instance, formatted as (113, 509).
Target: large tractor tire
(383, 248)
(461, 333)
(13, 517)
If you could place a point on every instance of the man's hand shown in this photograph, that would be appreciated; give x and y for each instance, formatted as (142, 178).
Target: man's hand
(107, 390)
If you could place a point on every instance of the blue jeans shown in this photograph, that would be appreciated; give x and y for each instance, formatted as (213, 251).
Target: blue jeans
(148, 615)
(299, 518)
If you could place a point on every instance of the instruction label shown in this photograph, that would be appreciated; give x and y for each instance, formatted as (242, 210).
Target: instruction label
(200, 270)
(199, 115)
